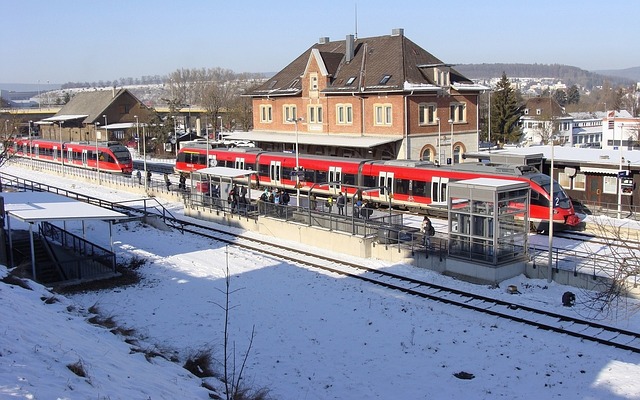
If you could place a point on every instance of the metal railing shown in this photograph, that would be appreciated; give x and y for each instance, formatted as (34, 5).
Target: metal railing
(83, 259)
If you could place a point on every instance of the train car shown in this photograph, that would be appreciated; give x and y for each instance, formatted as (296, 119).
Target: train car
(112, 156)
(419, 186)
(194, 156)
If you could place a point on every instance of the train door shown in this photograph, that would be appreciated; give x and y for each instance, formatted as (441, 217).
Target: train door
(439, 191)
(275, 172)
(385, 186)
(335, 175)
(37, 151)
(84, 157)
(239, 164)
(55, 153)
(69, 156)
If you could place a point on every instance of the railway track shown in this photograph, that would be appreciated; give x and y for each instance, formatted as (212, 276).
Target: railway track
(541, 319)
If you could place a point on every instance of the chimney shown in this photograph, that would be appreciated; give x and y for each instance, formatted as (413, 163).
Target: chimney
(113, 92)
(397, 32)
(349, 43)
(323, 40)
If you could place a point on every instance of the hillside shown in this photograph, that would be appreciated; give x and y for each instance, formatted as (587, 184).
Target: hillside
(627, 73)
(567, 74)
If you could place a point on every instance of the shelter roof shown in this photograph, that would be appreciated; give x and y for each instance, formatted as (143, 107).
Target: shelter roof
(226, 172)
(44, 206)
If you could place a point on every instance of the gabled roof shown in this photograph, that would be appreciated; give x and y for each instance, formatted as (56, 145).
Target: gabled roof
(92, 105)
(379, 64)
(546, 105)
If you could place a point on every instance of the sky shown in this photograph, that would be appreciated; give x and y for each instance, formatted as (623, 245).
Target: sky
(318, 336)
(75, 41)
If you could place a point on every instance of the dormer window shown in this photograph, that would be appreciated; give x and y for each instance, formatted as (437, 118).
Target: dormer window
(385, 79)
(538, 111)
(526, 111)
(350, 81)
(441, 76)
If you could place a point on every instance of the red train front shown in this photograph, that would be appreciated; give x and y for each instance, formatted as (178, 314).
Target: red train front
(111, 156)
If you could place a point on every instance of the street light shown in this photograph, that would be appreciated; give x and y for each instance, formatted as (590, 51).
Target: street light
(451, 140)
(61, 153)
(439, 140)
(619, 177)
(144, 150)
(221, 126)
(552, 201)
(30, 142)
(97, 152)
(175, 132)
(295, 121)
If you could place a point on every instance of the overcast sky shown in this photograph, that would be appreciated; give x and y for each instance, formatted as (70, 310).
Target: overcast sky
(76, 40)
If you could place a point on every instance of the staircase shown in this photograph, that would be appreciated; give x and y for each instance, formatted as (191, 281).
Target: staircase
(47, 270)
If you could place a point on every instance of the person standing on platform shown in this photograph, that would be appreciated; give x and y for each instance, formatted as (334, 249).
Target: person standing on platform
(341, 203)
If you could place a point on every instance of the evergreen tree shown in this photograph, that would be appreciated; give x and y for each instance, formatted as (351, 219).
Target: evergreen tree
(506, 110)
(560, 96)
(573, 95)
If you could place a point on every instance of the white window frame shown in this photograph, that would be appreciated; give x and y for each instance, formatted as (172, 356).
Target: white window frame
(344, 114)
(580, 182)
(564, 180)
(428, 114)
(609, 184)
(383, 114)
(314, 114)
(290, 113)
(455, 109)
(266, 113)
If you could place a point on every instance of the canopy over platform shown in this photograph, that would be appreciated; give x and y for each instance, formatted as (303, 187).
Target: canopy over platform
(35, 207)
(44, 206)
(226, 172)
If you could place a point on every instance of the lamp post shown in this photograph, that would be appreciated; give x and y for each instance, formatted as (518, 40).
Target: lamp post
(95, 126)
(144, 150)
(439, 140)
(61, 153)
(619, 177)
(451, 140)
(295, 121)
(552, 201)
(175, 132)
(221, 126)
(30, 142)
(489, 123)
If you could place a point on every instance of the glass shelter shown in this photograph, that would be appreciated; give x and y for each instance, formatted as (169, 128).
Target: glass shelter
(489, 220)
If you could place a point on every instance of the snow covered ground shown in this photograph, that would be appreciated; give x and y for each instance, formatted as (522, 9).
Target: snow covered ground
(317, 336)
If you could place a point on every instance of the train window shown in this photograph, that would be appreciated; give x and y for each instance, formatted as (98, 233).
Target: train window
(263, 169)
(370, 181)
(401, 186)
(421, 189)
(322, 176)
(349, 179)
(309, 175)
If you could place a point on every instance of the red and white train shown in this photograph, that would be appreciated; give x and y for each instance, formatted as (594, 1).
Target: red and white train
(112, 156)
(412, 185)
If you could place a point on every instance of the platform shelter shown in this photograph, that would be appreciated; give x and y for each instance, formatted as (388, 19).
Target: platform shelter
(36, 207)
(488, 228)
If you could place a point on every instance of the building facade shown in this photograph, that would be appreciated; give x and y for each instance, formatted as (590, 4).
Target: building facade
(381, 97)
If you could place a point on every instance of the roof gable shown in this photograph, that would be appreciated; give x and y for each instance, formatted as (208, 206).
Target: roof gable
(379, 64)
(93, 104)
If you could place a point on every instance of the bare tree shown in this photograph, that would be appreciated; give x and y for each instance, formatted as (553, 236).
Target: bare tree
(232, 372)
(612, 293)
